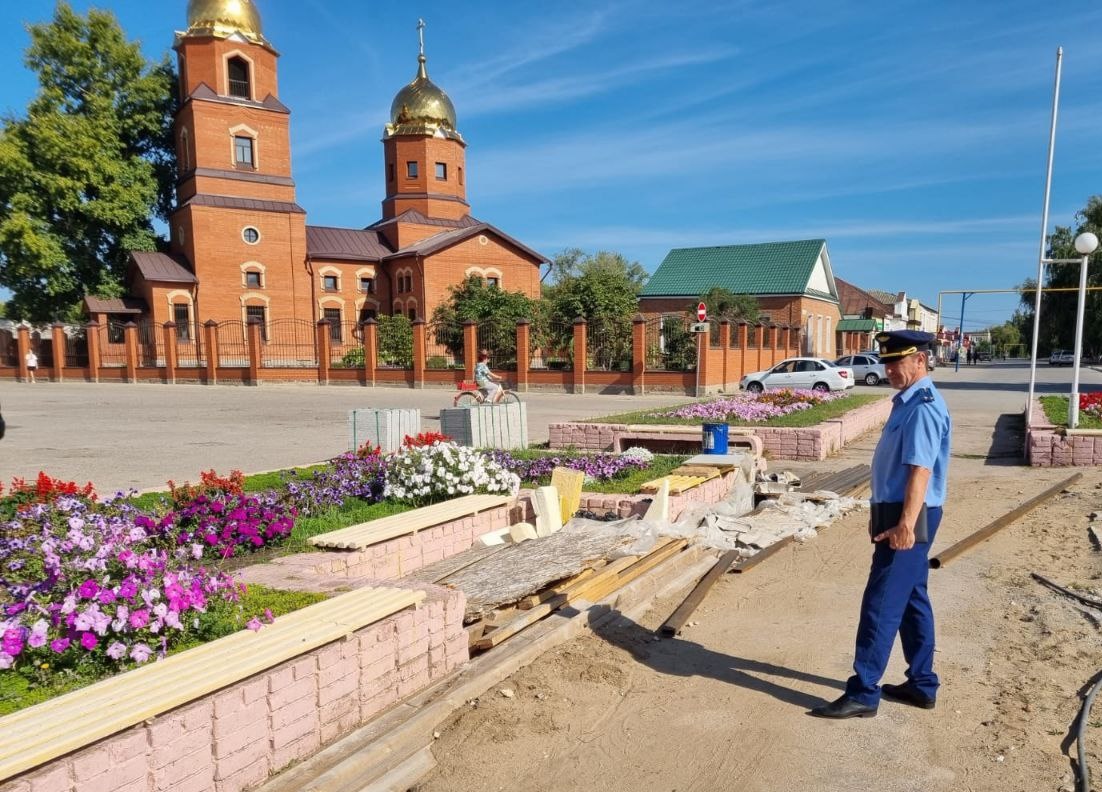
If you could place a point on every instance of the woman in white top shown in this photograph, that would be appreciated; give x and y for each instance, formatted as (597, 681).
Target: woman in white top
(32, 363)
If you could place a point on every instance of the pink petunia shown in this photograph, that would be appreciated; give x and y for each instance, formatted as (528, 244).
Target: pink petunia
(88, 589)
(139, 619)
(253, 624)
(89, 641)
(117, 650)
(268, 617)
(59, 645)
(140, 652)
(6, 660)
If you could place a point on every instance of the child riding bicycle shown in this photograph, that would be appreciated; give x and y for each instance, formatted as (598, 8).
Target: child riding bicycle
(486, 380)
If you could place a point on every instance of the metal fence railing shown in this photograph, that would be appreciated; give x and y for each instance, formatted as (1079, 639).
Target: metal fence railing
(290, 343)
(499, 338)
(76, 347)
(112, 344)
(150, 345)
(233, 344)
(608, 344)
(444, 345)
(346, 345)
(670, 344)
(551, 347)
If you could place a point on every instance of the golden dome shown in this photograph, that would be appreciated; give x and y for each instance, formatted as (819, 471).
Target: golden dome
(422, 107)
(224, 18)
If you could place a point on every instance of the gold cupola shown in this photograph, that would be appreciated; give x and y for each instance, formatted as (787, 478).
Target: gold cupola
(224, 18)
(422, 107)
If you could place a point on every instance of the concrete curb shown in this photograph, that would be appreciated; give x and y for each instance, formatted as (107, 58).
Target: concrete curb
(364, 760)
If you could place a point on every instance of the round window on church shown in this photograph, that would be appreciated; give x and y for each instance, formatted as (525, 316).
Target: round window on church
(250, 235)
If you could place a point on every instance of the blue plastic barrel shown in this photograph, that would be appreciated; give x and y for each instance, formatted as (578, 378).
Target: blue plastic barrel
(714, 440)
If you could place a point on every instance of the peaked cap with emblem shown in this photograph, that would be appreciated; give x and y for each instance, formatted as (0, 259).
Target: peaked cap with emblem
(897, 344)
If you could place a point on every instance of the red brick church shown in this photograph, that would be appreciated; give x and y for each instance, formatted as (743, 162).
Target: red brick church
(240, 247)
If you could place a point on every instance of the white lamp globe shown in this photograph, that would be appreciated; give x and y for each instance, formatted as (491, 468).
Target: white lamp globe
(1086, 243)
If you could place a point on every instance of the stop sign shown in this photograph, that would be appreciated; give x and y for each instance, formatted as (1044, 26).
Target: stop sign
(701, 312)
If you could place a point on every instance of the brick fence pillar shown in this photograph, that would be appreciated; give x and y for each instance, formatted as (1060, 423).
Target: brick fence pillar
(742, 339)
(638, 355)
(256, 349)
(418, 353)
(91, 334)
(775, 330)
(760, 335)
(703, 370)
(57, 330)
(324, 350)
(22, 347)
(580, 328)
(470, 348)
(371, 350)
(130, 346)
(524, 330)
(725, 348)
(210, 333)
(172, 353)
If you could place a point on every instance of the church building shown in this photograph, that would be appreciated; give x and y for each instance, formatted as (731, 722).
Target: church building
(240, 247)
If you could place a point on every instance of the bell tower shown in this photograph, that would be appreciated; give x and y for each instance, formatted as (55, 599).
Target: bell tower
(236, 220)
(424, 153)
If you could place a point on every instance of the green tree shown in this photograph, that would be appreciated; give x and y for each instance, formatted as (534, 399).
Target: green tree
(1058, 309)
(496, 311)
(1006, 338)
(602, 288)
(84, 173)
(725, 304)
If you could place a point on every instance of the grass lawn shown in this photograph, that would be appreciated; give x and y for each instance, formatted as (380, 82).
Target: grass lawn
(627, 484)
(1056, 410)
(27, 687)
(815, 415)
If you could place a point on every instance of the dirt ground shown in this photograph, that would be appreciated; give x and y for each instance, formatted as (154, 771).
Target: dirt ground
(724, 706)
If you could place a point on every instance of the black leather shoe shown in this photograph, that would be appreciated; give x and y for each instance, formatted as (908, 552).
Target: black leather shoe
(908, 694)
(845, 707)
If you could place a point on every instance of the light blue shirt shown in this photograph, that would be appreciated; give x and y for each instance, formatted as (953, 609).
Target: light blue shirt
(917, 433)
(482, 374)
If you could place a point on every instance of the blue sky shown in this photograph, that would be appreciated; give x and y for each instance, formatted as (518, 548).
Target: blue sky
(911, 135)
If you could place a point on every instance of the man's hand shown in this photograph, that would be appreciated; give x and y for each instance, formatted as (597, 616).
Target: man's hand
(901, 537)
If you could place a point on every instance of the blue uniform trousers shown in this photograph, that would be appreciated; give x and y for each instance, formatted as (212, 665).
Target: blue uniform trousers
(896, 601)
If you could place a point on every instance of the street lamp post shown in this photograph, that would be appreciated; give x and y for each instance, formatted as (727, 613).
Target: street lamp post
(1085, 244)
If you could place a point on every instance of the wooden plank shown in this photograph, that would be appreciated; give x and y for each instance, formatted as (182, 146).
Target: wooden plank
(532, 600)
(640, 567)
(672, 626)
(678, 484)
(358, 537)
(702, 471)
(36, 735)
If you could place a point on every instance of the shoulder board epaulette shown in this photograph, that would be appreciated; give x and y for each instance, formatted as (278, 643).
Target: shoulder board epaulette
(926, 395)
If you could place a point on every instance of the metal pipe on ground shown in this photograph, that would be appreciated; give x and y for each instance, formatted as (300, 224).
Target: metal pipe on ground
(1084, 784)
(944, 557)
(1093, 603)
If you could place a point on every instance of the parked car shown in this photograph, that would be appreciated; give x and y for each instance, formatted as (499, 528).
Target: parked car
(1061, 357)
(1, 426)
(818, 374)
(866, 368)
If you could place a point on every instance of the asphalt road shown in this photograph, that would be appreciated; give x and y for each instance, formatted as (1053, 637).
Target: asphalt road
(121, 436)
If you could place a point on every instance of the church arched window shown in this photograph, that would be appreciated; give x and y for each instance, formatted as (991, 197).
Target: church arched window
(238, 69)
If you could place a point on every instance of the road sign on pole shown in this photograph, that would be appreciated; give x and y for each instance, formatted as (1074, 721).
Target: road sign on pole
(701, 312)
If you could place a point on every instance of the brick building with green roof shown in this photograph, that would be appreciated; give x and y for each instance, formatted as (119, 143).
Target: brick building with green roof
(792, 281)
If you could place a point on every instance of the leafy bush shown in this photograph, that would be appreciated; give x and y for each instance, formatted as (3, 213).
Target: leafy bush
(353, 358)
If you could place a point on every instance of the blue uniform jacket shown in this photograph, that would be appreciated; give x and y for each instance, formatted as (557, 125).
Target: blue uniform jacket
(917, 433)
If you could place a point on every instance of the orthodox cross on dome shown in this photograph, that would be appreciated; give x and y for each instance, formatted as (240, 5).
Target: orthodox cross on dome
(421, 36)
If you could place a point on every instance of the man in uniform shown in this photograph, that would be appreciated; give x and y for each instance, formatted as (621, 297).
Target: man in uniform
(909, 472)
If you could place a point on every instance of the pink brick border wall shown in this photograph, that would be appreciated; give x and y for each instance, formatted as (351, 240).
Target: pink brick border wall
(1048, 449)
(233, 739)
(810, 443)
(387, 560)
(712, 491)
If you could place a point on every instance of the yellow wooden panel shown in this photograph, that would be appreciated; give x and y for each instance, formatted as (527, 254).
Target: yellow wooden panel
(36, 735)
(569, 484)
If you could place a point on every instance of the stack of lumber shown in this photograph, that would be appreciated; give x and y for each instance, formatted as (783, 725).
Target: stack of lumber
(850, 481)
(592, 584)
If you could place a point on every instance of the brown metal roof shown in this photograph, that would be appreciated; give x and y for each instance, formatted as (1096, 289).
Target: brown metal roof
(856, 301)
(417, 218)
(438, 242)
(205, 92)
(115, 305)
(345, 243)
(252, 204)
(162, 268)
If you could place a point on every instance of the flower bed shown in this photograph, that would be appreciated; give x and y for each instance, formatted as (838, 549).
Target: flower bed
(784, 407)
(603, 472)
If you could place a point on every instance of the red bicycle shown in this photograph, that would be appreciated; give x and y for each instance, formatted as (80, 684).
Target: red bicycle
(470, 395)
